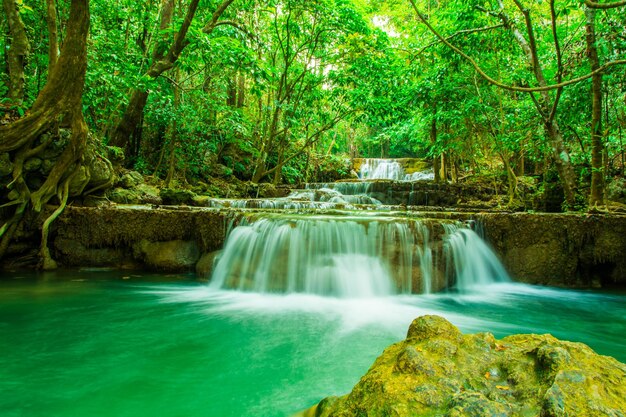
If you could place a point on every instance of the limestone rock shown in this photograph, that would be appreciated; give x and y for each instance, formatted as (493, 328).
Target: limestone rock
(173, 255)
(437, 371)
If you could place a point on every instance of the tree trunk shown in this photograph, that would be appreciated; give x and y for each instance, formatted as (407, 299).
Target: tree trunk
(596, 195)
(59, 99)
(18, 52)
(241, 91)
(433, 140)
(53, 35)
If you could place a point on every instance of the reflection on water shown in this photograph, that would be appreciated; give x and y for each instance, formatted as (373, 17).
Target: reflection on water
(134, 347)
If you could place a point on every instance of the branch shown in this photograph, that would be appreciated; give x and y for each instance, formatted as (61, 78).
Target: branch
(216, 16)
(310, 141)
(559, 74)
(594, 5)
(462, 32)
(505, 86)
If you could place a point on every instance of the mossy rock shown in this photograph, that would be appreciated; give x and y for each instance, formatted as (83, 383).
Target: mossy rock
(176, 197)
(437, 371)
(124, 196)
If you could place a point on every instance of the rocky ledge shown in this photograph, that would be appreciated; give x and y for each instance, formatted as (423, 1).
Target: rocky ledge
(437, 371)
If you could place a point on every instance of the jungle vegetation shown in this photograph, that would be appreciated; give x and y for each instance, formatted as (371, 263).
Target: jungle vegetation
(284, 91)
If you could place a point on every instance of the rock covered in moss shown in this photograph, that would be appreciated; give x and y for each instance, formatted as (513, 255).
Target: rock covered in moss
(437, 371)
(176, 197)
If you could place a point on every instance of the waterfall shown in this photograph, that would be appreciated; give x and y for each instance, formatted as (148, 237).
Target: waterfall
(475, 264)
(427, 175)
(342, 257)
(352, 256)
(381, 169)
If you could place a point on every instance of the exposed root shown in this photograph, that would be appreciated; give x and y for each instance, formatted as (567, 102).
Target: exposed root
(47, 263)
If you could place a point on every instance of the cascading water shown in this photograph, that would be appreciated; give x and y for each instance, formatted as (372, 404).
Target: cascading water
(349, 257)
(391, 169)
(381, 169)
(342, 257)
(475, 264)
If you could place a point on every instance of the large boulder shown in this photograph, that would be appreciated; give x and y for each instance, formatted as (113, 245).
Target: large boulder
(437, 371)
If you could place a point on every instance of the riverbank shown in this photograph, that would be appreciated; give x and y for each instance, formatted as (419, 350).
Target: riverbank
(569, 250)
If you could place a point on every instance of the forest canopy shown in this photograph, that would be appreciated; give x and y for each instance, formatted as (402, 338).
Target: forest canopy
(285, 91)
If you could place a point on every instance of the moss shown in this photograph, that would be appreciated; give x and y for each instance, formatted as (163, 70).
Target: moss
(518, 376)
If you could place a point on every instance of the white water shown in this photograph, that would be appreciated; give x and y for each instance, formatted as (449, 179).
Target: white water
(475, 264)
(390, 169)
(349, 257)
(381, 169)
(343, 257)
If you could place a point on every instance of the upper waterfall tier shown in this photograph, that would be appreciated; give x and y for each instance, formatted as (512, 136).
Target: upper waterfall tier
(392, 169)
(348, 256)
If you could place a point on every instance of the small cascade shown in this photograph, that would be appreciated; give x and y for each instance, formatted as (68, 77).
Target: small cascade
(338, 192)
(342, 257)
(353, 256)
(381, 169)
(474, 264)
(427, 175)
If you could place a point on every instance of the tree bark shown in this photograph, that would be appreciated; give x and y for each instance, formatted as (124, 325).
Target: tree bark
(53, 35)
(18, 52)
(60, 99)
(596, 195)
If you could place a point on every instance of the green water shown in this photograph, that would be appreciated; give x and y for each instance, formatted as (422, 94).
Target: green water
(107, 346)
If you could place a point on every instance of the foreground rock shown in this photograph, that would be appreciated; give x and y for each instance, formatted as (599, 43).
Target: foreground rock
(437, 371)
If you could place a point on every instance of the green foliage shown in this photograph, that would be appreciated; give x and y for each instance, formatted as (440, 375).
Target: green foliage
(292, 86)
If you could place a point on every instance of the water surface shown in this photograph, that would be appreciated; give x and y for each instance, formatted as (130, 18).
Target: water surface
(102, 344)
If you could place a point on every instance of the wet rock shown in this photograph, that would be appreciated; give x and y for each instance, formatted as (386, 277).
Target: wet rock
(410, 361)
(437, 371)
(204, 267)
(174, 255)
(149, 194)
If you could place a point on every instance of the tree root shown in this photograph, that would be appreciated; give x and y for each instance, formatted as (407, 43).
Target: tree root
(47, 263)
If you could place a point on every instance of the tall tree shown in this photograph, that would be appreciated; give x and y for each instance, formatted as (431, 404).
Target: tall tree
(18, 51)
(60, 100)
(596, 195)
